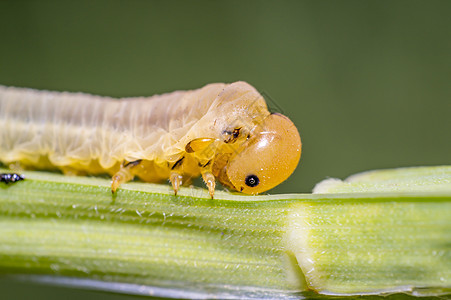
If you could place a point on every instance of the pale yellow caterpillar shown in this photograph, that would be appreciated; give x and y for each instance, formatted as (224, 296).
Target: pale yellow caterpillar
(222, 131)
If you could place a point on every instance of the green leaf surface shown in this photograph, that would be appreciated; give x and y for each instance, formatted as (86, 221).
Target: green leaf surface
(378, 232)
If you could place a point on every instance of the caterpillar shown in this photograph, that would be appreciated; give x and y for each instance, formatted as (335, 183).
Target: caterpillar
(222, 132)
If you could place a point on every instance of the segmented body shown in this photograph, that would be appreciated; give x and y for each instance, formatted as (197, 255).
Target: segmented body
(78, 132)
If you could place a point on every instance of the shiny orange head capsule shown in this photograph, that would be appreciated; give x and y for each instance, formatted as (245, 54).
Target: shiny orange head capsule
(270, 156)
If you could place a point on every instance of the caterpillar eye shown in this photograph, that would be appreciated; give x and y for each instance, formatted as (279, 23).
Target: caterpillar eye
(252, 180)
(270, 155)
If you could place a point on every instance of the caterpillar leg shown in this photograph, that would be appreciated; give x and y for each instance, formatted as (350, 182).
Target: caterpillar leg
(125, 174)
(175, 176)
(210, 181)
(208, 177)
(205, 150)
(176, 181)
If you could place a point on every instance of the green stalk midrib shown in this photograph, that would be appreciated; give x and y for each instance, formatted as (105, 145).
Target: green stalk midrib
(172, 240)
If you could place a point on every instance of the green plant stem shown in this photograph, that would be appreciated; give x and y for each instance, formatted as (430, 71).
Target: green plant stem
(329, 243)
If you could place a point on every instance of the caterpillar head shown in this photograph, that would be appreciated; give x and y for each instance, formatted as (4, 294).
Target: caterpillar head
(269, 156)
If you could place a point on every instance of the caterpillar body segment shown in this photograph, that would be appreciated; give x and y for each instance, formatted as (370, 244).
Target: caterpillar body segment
(221, 131)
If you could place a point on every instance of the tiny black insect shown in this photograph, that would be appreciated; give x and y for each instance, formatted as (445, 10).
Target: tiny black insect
(10, 177)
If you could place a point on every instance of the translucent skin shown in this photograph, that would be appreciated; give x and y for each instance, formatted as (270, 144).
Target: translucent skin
(222, 131)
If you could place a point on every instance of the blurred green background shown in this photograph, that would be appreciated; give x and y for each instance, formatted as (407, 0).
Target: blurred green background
(366, 82)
